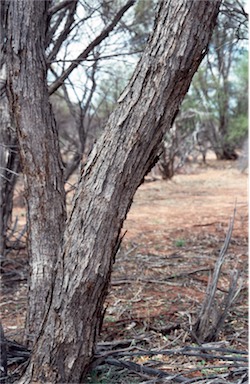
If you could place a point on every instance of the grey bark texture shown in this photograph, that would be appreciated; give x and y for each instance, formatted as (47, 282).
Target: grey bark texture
(71, 265)
(9, 159)
(39, 149)
(9, 165)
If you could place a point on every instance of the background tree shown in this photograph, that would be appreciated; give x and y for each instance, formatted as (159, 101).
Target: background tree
(140, 24)
(213, 88)
(214, 113)
(71, 262)
(238, 121)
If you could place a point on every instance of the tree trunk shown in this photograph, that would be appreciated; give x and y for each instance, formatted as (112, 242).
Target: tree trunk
(39, 150)
(9, 168)
(76, 291)
(224, 150)
(9, 159)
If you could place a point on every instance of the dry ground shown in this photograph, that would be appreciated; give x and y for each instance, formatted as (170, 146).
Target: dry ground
(174, 232)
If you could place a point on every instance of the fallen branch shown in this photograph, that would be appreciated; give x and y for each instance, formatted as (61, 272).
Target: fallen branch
(18, 354)
(186, 351)
(145, 370)
(164, 377)
(216, 379)
(160, 281)
(206, 225)
(211, 319)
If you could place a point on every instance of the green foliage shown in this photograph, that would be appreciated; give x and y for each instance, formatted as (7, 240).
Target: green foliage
(238, 130)
(238, 122)
(142, 23)
(112, 375)
(219, 97)
(137, 22)
(180, 243)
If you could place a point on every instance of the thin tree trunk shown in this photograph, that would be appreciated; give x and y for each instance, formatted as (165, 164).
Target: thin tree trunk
(9, 168)
(39, 150)
(9, 159)
(117, 165)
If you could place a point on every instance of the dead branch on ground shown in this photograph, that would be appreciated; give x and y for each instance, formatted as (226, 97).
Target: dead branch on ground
(232, 362)
(212, 316)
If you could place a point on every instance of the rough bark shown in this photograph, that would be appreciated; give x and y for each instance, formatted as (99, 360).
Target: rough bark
(9, 161)
(117, 165)
(9, 168)
(39, 150)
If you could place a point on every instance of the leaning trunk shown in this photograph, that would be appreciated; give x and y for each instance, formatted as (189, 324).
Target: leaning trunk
(75, 293)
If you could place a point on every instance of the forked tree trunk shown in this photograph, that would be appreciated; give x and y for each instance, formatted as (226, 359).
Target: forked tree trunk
(76, 291)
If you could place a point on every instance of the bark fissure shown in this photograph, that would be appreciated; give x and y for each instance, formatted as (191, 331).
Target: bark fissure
(39, 151)
(83, 257)
(126, 127)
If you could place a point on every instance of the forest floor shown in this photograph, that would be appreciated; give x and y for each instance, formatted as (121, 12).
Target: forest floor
(174, 233)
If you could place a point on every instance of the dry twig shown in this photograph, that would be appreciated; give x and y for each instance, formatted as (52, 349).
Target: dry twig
(211, 319)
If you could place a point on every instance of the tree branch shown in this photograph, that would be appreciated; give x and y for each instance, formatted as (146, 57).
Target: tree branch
(52, 10)
(63, 35)
(90, 47)
(203, 327)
